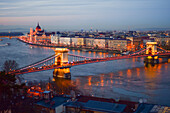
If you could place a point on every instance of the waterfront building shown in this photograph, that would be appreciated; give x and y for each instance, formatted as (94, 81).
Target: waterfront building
(99, 43)
(135, 41)
(89, 42)
(119, 44)
(80, 41)
(39, 35)
(77, 41)
(65, 41)
(74, 41)
(54, 39)
(162, 40)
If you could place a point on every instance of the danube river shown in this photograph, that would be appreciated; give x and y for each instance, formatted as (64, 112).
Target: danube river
(124, 79)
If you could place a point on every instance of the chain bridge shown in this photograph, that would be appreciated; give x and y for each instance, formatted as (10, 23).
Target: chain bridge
(62, 59)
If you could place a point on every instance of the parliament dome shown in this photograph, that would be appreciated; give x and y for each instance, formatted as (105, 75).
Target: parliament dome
(38, 28)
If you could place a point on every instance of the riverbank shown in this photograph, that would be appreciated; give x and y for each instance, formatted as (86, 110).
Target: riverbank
(74, 48)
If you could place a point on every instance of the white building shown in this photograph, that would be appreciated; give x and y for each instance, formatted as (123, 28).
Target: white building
(89, 42)
(65, 41)
(74, 41)
(54, 39)
(99, 42)
(119, 44)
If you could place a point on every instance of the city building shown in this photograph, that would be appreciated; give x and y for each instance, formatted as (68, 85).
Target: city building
(55, 39)
(132, 40)
(147, 40)
(35, 92)
(65, 41)
(162, 41)
(74, 41)
(77, 41)
(88, 104)
(39, 35)
(50, 104)
(135, 42)
(80, 41)
(99, 43)
(89, 42)
(119, 44)
(152, 108)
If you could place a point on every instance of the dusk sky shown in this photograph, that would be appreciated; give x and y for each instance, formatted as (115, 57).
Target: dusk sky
(77, 14)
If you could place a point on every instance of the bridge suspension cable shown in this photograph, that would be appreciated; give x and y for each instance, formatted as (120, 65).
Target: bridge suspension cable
(48, 63)
(140, 51)
(39, 62)
(81, 56)
(163, 49)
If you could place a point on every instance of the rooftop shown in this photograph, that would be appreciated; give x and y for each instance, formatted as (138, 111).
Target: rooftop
(103, 104)
(46, 92)
(53, 103)
(151, 108)
(98, 106)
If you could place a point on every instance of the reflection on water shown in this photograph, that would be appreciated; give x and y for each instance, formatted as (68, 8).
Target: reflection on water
(62, 86)
(62, 73)
(141, 82)
(126, 78)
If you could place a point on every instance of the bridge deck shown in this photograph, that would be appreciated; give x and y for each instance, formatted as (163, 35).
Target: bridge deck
(43, 68)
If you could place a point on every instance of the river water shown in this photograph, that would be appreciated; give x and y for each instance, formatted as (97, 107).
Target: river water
(126, 79)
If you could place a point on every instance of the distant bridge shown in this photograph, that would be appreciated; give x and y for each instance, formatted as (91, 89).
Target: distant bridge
(9, 37)
(61, 59)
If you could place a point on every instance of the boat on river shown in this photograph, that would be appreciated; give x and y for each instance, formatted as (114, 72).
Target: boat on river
(7, 44)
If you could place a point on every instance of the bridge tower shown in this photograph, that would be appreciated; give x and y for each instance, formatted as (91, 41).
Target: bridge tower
(62, 57)
(152, 48)
(61, 60)
(152, 51)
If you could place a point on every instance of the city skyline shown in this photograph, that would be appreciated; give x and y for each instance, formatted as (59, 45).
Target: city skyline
(74, 14)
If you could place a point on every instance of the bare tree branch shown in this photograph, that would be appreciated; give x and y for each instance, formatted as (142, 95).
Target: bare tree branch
(9, 65)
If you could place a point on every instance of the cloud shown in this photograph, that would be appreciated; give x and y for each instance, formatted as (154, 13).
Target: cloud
(42, 7)
(109, 12)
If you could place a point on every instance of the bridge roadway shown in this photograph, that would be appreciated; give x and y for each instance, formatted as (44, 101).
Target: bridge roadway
(9, 37)
(75, 63)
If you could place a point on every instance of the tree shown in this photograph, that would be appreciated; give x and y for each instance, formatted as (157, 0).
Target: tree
(9, 65)
(7, 82)
(13, 96)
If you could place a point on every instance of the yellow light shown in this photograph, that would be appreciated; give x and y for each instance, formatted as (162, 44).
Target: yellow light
(149, 57)
(156, 57)
(151, 43)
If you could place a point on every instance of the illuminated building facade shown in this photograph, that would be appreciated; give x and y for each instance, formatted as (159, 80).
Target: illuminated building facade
(39, 35)
(65, 41)
(77, 41)
(135, 41)
(74, 41)
(54, 39)
(99, 43)
(89, 42)
(119, 44)
(162, 40)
